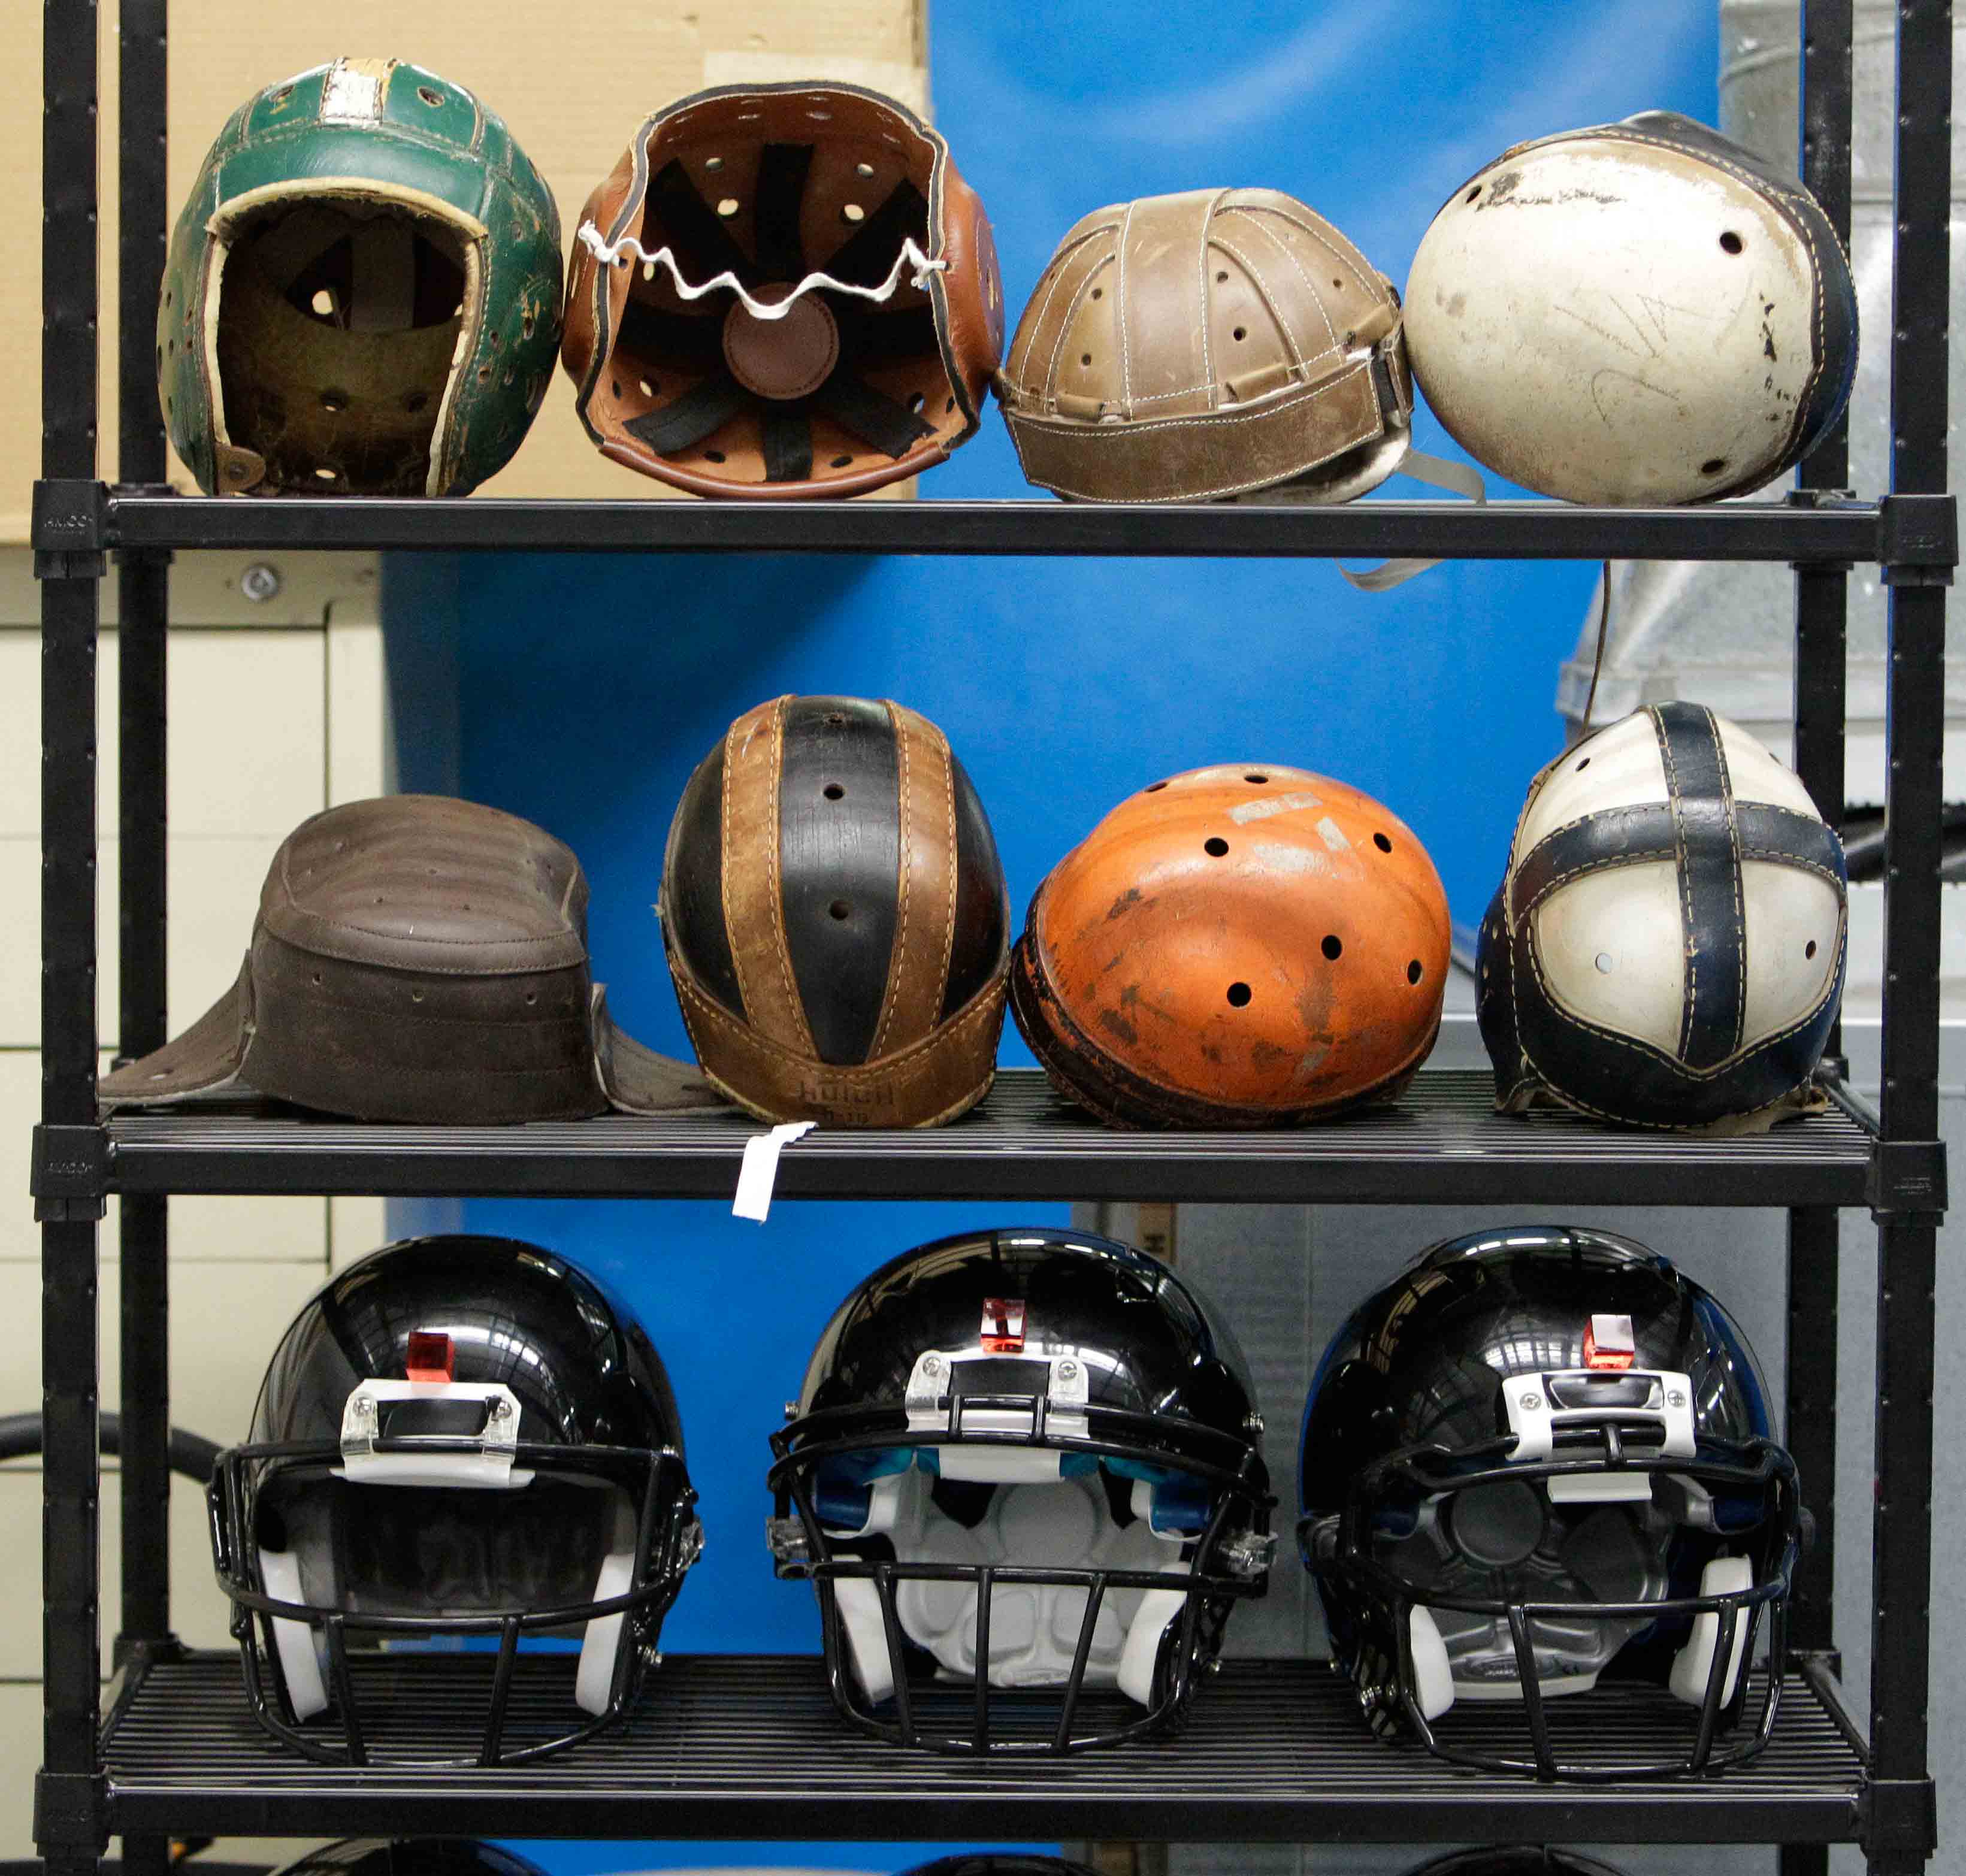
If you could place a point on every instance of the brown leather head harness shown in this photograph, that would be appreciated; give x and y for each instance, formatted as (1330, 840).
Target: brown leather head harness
(417, 957)
(836, 918)
(783, 290)
(1241, 946)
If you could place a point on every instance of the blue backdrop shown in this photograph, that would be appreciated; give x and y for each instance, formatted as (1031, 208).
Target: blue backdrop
(588, 689)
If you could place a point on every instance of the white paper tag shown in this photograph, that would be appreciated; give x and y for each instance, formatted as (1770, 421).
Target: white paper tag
(759, 1172)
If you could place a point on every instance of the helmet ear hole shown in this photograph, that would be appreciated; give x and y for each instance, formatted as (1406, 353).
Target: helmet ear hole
(269, 1526)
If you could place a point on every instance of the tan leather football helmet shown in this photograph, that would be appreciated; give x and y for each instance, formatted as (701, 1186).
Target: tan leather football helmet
(1198, 346)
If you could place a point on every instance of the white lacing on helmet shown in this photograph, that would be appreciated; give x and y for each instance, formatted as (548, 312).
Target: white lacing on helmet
(911, 263)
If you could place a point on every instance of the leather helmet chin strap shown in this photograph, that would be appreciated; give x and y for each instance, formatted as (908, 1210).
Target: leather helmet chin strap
(1438, 472)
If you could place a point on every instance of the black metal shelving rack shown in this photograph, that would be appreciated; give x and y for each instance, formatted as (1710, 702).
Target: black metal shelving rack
(728, 1745)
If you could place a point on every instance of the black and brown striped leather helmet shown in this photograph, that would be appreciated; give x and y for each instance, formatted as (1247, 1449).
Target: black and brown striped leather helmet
(836, 917)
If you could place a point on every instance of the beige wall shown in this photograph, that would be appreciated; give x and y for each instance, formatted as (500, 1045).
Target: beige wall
(573, 83)
(276, 712)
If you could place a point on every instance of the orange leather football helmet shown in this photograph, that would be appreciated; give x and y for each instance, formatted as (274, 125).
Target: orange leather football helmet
(1244, 946)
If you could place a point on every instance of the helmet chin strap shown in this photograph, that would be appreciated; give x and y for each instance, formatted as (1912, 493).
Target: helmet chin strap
(1036, 1518)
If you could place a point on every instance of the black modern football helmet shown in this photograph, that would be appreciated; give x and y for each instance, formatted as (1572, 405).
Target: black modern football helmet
(408, 1856)
(1539, 1460)
(1036, 1449)
(457, 1437)
(1514, 1859)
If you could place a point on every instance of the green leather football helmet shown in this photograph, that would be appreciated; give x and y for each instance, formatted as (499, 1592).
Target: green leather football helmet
(363, 293)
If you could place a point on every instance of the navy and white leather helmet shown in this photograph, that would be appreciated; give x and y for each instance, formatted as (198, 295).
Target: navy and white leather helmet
(1540, 1462)
(457, 1437)
(1666, 949)
(1050, 1405)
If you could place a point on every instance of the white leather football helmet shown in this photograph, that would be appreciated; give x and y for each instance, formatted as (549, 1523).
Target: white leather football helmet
(1667, 947)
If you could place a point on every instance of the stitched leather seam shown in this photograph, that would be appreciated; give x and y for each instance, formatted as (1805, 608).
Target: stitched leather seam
(1104, 432)
(897, 961)
(1567, 826)
(402, 1019)
(1171, 501)
(1734, 882)
(1050, 391)
(774, 865)
(1650, 1052)
(726, 846)
(1057, 270)
(1355, 260)
(1122, 318)
(576, 955)
(1653, 857)
(986, 1002)
(1542, 776)
(955, 873)
(1209, 374)
(1296, 267)
(1269, 299)
(1690, 997)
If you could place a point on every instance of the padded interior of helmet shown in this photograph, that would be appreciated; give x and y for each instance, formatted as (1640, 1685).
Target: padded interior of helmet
(1503, 1538)
(337, 321)
(439, 1551)
(769, 212)
(1087, 1520)
(1176, 1503)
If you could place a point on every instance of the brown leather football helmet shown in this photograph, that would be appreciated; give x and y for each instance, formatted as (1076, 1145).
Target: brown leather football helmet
(1246, 946)
(835, 919)
(1200, 346)
(783, 291)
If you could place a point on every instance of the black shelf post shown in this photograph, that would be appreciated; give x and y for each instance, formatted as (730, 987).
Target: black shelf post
(1901, 1818)
(1822, 604)
(142, 615)
(143, 608)
(69, 1824)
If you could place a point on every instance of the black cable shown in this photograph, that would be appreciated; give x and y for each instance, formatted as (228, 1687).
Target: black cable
(190, 1454)
(1597, 663)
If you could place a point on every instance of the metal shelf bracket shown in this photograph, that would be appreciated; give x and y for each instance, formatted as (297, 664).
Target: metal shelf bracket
(1818, 499)
(1898, 1821)
(1917, 540)
(1907, 1183)
(70, 528)
(72, 1811)
(69, 1176)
